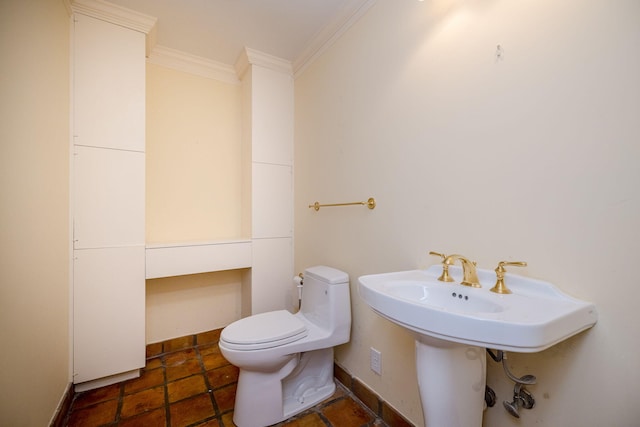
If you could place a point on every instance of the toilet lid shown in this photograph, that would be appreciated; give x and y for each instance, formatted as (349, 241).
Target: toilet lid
(264, 330)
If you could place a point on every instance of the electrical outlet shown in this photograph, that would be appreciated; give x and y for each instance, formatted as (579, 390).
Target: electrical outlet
(376, 361)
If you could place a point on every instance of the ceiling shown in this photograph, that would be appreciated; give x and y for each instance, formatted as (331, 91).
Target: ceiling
(219, 29)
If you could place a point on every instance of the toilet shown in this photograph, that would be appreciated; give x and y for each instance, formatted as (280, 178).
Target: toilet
(286, 360)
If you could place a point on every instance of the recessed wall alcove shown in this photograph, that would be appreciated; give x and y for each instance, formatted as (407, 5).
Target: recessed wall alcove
(219, 220)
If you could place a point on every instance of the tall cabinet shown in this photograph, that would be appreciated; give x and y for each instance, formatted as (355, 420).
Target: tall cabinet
(108, 170)
(267, 85)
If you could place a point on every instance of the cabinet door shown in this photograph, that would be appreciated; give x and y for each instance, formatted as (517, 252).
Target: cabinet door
(272, 264)
(108, 85)
(108, 311)
(272, 197)
(108, 198)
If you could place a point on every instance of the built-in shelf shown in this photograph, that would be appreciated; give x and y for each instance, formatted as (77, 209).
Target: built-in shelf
(178, 259)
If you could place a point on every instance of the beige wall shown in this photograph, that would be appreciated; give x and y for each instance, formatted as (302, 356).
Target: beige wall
(532, 156)
(184, 305)
(34, 210)
(194, 172)
(193, 191)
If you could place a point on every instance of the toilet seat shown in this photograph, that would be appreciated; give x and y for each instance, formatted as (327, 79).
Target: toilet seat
(264, 330)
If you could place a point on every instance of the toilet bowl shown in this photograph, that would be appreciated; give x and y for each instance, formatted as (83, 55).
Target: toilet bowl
(286, 360)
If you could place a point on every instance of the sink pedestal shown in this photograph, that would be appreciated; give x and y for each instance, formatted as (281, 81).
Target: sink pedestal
(452, 379)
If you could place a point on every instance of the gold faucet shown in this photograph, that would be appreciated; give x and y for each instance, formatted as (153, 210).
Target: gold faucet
(500, 287)
(469, 275)
(444, 277)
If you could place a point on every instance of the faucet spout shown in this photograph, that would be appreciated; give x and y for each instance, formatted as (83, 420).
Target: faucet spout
(469, 275)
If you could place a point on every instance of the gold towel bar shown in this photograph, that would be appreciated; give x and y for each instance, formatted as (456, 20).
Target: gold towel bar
(371, 203)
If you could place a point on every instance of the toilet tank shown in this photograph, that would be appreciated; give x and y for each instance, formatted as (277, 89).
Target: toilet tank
(326, 301)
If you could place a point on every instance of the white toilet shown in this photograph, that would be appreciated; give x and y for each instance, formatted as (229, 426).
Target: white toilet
(286, 360)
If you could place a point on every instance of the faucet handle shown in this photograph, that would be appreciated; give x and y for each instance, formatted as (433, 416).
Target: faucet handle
(500, 287)
(444, 277)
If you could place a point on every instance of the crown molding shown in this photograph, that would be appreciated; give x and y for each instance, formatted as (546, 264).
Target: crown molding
(67, 5)
(182, 61)
(325, 38)
(118, 15)
(115, 14)
(253, 57)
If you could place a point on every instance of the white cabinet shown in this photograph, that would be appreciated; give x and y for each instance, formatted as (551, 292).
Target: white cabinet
(108, 171)
(272, 197)
(268, 123)
(271, 272)
(109, 198)
(108, 314)
(109, 85)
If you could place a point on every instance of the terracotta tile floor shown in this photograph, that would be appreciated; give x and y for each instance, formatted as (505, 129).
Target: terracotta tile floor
(187, 382)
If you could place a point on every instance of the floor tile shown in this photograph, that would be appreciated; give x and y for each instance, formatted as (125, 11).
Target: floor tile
(337, 394)
(186, 387)
(178, 343)
(97, 395)
(208, 337)
(227, 419)
(214, 423)
(183, 369)
(213, 360)
(142, 401)
(179, 357)
(98, 414)
(154, 418)
(187, 382)
(309, 420)
(147, 379)
(153, 363)
(153, 349)
(346, 413)
(225, 398)
(208, 349)
(223, 376)
(189, 411)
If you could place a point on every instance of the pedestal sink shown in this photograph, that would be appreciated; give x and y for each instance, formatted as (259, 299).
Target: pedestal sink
(454, 324)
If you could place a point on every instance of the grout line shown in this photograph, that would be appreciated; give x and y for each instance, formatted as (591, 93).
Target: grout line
(120, 402)
(216, 408)
(376, 417)
(167, 408)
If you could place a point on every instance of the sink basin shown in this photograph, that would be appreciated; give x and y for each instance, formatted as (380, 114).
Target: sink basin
(440, 297)
(534, 317)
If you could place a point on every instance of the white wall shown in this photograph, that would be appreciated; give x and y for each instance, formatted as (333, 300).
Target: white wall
(528, 157)
(34, 210)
